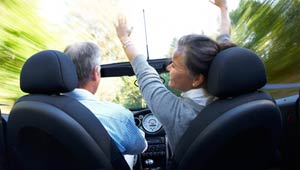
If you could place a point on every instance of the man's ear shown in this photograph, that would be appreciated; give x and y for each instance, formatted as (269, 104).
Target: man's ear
(198, 81)
(96, 73)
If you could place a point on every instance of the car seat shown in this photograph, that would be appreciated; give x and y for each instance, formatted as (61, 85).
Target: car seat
(242, 128)
(3, 154)
(48, 130)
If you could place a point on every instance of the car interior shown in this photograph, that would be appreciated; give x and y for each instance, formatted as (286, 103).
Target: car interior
(253, 124)
(245, 128)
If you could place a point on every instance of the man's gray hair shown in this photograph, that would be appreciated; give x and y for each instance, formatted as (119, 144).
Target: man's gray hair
(85, 56)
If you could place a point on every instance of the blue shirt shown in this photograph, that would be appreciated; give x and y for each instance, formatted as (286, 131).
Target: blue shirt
(117, 120)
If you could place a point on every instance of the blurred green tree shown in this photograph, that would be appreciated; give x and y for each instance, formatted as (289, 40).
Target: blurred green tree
(25, 28)
(129, 95)
(270, 28)
(22, 34)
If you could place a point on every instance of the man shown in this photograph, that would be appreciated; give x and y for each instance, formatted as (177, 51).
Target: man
(117, 120)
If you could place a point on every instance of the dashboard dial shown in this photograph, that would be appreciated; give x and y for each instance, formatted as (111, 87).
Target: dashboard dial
(150, 123)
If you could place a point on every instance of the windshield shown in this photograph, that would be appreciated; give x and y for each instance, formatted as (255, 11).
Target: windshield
(268, 27)
(124, 90)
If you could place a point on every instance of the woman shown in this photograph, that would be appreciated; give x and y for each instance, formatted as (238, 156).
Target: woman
(188, 72)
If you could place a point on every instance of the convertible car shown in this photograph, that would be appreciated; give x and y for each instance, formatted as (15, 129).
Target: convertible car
(245, 128)
(252, 125)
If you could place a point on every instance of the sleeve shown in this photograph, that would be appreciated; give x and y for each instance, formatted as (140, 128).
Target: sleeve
(134, 141)
(121, 126)
(224, 38)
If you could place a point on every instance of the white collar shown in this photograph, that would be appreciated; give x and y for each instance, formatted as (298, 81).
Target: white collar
(80, 93)
(199, 96)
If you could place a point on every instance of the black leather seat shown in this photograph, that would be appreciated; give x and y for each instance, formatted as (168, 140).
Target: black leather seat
(240, 130)
(3, 155)
(47, 130)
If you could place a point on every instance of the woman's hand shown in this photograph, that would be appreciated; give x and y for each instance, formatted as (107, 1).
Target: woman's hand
(219, 3)
(122, 29)
(123, 33)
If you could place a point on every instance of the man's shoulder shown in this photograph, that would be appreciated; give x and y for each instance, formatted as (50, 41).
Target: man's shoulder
(115, 105)
(115, 109)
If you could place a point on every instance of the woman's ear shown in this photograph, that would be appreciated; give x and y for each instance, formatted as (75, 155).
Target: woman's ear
(198, 81)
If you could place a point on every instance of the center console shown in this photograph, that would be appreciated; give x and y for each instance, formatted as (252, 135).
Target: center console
(155, 157)
(157, 153)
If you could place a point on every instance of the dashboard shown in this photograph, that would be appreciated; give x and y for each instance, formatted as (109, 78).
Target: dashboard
(156, 156)
(148, 123)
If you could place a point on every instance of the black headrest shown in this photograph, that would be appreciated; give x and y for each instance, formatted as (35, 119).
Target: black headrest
(235, 71)
(48, 72)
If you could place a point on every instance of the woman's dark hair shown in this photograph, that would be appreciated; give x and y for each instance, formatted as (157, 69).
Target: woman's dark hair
(199, 51)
